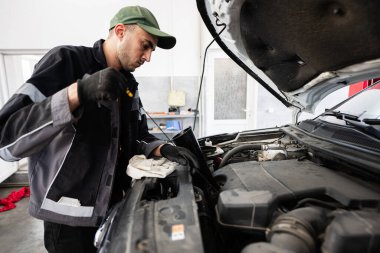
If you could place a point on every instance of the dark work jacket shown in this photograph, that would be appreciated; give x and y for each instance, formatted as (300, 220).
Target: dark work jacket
(74, 158)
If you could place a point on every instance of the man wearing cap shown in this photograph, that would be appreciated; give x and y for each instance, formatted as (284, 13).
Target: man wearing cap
(79, 120)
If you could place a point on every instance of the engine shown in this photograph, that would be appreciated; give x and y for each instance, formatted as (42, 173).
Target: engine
(278, 195)
(272, 190)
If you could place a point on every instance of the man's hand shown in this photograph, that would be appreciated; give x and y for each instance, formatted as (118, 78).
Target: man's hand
(105, 84)
(179, 154)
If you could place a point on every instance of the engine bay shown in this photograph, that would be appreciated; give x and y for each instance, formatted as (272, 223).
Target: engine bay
(256, 191)
(278, 195)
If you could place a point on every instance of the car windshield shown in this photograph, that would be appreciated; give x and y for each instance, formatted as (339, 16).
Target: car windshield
(361, 112)
(363, 106)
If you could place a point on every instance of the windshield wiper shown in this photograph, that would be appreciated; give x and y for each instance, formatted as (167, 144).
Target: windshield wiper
(372, 121)
(365, 125)
(341, 115)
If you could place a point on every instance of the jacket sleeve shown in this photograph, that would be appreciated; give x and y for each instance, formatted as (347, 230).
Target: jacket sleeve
(36, 113)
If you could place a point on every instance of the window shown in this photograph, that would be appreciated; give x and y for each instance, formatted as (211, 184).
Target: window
(16, 66)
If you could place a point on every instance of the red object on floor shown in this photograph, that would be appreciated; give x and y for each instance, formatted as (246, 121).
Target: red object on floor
(15, 196)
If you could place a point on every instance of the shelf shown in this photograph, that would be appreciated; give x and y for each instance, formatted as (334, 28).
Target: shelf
(162, 117)
(165, 131)
(177, 116)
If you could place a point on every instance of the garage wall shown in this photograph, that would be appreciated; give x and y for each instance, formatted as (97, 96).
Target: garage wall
(43, 24)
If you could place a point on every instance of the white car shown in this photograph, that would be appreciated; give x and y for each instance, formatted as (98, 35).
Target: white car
(312, 186)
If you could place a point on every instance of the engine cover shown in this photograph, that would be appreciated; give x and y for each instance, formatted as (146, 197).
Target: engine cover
(252, 191)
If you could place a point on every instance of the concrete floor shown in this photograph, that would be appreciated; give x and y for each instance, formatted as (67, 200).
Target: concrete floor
(20, 232)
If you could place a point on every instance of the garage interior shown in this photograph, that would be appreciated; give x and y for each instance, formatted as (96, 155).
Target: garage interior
(169, 85)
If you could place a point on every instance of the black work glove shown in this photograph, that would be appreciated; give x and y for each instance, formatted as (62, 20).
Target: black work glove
(180, 155)
(105, 84)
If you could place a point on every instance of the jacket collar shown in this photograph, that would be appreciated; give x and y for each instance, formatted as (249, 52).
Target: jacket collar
(99, 54)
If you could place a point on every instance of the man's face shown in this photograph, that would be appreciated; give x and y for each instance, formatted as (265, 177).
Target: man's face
(135, 48)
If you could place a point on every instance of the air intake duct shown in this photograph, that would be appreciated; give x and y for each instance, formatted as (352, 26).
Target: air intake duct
(296, 231)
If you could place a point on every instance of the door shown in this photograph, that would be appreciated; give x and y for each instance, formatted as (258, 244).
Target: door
(229, 98)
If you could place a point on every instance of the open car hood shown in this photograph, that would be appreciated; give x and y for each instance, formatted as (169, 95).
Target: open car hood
(300, 51)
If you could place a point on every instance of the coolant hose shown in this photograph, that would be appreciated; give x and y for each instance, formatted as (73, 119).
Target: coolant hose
(296, 231)
(238, 149)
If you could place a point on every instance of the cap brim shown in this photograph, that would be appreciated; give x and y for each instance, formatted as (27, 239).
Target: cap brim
(165, 40)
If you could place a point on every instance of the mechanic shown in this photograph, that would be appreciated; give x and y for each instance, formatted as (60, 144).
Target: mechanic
(79, 120)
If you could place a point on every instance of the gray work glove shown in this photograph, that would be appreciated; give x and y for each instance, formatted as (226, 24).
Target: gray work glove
(180, 155)
(105, 84)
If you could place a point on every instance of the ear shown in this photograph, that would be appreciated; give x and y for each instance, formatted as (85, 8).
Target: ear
(120, 30)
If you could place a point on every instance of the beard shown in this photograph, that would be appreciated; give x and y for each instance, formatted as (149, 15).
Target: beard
(124, 60)
(125, 63)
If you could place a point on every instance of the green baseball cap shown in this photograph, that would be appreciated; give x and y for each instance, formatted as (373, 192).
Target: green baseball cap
(143, 18)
